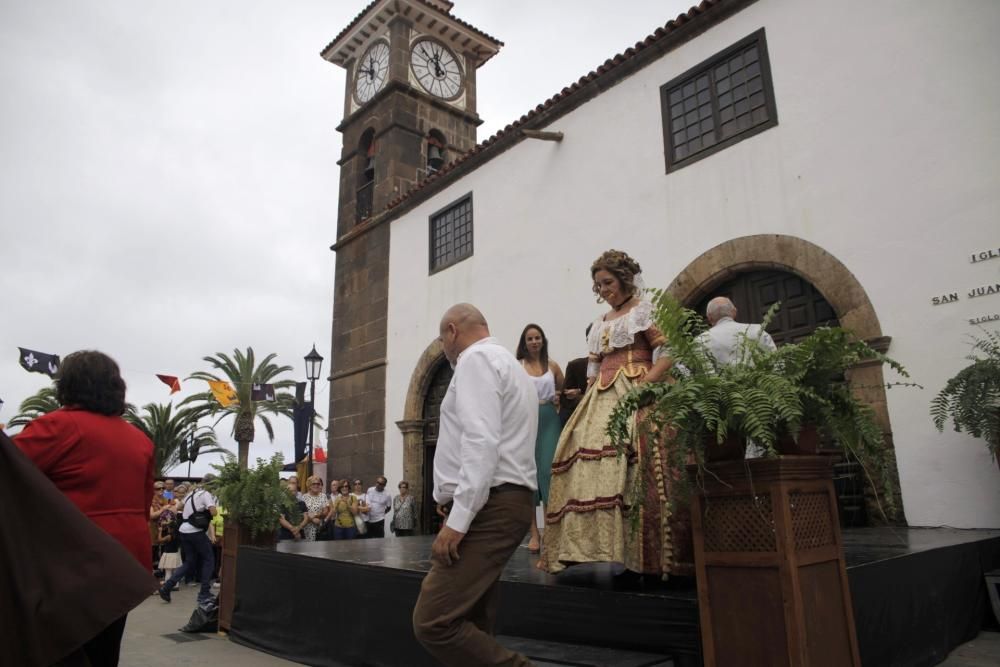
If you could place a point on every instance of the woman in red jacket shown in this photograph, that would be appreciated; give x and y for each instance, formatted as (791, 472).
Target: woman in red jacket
(103, 464)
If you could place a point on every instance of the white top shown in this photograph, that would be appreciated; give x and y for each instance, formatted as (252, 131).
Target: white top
(362, 499)
(489, 419)
(723, 339)
(620, 332)
(545, 385)
(198, 500)
(379, 503)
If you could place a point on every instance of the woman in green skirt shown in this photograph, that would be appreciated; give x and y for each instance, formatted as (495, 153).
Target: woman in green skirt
(533, 351)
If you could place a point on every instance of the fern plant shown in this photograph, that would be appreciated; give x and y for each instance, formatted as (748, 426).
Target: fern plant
(765, 396)
(971, 399)
(254, 497)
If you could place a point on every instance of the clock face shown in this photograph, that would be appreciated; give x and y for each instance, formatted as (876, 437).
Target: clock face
(372, 72)
(436, 68)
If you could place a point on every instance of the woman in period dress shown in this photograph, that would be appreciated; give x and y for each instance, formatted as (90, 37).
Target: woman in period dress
(533, 352)
(593, 489)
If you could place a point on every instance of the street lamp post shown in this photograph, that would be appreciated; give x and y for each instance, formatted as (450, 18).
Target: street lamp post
(314, 362)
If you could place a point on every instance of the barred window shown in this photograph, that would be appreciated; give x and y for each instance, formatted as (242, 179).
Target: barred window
(451, 234)
(721, 101)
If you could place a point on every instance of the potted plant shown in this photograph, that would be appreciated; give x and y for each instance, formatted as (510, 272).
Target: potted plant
(775, 514)
(971, 399)
(768, 397)
(254, 498)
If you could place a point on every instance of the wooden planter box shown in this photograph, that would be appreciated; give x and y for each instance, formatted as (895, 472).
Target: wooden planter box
(772, 584)
(233, 536)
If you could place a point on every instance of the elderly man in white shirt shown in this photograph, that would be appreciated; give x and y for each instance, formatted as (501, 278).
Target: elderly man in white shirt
(484, 468)
(724, 338)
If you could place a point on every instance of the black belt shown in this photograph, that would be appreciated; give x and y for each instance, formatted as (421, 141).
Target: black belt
(509, 486)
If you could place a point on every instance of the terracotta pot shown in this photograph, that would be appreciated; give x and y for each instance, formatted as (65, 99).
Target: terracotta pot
(807, 445)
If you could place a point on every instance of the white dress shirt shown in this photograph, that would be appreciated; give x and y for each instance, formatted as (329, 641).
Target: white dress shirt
(723, 339)
(489, 419)
(379, 503)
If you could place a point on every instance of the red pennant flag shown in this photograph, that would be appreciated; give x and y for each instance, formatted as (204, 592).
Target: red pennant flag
(171, 381)
(319, 456)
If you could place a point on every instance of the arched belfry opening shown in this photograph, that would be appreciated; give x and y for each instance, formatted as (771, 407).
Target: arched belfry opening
(436, 151)
(366, 175)
(815, 289)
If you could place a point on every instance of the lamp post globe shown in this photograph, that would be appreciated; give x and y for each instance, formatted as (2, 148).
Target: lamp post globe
(314, 362)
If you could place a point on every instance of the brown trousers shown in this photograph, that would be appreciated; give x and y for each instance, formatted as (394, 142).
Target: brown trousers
(456, 611)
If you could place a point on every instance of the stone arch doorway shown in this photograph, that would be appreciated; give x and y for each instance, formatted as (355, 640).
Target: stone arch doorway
(764, 268)
(436, 389)
(428, 384)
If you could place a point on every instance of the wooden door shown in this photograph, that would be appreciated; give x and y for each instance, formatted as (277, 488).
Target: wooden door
(803, 308)
(430, 521)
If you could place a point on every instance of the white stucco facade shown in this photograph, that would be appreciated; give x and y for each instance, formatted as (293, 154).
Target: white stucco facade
(886, 155)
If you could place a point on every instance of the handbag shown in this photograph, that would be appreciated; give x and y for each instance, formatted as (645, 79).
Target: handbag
(200, 519)
(325, 532)
(361, 525)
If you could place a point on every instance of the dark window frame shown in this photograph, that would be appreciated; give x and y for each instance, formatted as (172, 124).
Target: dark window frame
(709, 66)
(435, 217)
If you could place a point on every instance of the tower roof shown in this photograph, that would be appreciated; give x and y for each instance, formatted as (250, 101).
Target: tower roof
(430, 16)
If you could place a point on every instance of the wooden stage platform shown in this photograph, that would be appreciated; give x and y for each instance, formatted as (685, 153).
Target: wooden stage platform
(917, 593)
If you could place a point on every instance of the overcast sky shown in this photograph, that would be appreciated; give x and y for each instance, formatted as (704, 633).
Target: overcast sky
(168, 175)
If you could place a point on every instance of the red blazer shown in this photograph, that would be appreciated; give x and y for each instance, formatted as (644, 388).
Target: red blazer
(103, 464)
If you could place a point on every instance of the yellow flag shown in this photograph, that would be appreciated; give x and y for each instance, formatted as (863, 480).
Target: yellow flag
(223, 392)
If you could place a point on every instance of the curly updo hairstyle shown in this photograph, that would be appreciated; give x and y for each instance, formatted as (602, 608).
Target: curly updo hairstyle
(91, 380)
(618, 264)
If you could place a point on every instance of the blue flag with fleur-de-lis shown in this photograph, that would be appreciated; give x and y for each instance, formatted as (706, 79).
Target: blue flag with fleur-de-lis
(34, 361)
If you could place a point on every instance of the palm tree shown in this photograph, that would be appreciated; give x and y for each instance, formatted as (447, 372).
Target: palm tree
(40, 403)
(168, 430)
(242, 372)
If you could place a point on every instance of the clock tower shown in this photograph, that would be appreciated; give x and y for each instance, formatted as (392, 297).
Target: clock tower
(409, 109)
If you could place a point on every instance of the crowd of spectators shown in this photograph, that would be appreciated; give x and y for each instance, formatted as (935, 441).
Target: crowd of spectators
(348, 511)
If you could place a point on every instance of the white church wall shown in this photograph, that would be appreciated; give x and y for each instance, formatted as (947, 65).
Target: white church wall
(884, 156)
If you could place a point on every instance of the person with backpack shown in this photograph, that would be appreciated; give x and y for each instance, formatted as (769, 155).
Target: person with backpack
(196, 533)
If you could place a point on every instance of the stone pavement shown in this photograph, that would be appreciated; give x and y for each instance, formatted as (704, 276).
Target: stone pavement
(153, 639)
(983, 651)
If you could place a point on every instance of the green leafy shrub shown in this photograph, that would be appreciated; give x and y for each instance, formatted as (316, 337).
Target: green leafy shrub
(255, 497)
(764, 396)
(971, 399)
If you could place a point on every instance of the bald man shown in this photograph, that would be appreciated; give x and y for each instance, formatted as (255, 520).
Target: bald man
(723, 339)
(484, 473)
